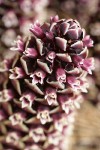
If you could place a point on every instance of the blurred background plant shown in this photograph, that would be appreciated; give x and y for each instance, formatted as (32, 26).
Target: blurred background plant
(16, 17)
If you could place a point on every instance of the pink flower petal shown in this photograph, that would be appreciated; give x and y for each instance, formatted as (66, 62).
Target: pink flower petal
(87, 41)
(64, 57)
(61, 75)
(31, 52)
(64, 27)
(51, 96)
(61, 43)
(36, 30)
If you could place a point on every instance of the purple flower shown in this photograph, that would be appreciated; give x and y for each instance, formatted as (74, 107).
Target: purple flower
(37, 134)
(17, 118)
(61, 75)
(64, 27)
(54, 137)
(74, 34)
(12, 137)
(43, 115)
(27, 99)
(16, 73)
(31, 52)
(36, 30)
(6, 95)
(61, 43)
(38, 77)
(67, 106)
(54, 19)
(66, 103)
(18, 45)
(77, 45)
(88, 65)
(51, 56)
(87, 41)
(73, 82)
(51, 96)
(64, 57)
(50, 35)
(60, 121)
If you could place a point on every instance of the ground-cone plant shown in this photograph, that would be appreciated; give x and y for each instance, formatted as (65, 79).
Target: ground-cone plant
(43, 85)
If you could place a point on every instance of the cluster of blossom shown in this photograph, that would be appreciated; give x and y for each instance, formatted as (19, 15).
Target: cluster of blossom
(87, 12)
(44, 84)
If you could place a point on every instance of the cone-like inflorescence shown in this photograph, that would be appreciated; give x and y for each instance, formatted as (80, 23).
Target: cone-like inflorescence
(44, 85)
(89, 17)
